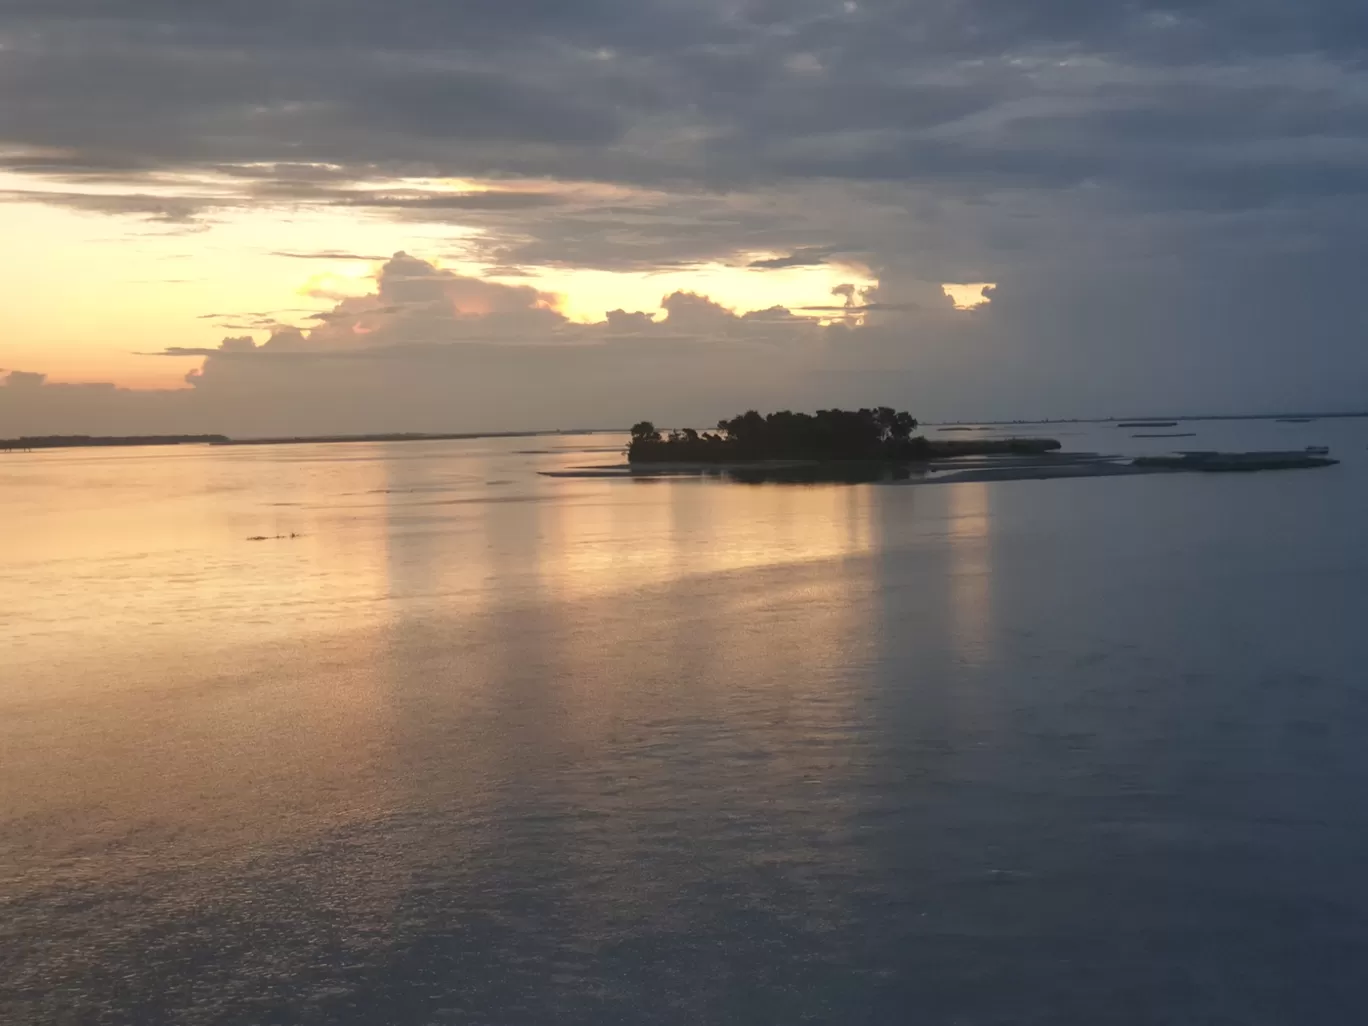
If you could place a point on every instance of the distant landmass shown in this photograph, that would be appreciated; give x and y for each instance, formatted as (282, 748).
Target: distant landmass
(81, 441)
(33, 442)
(399, 437)
(91, 441)
(1293, 418)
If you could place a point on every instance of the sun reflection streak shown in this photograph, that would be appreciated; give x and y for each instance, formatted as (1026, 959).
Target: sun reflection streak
(612, 546)
(971, 569)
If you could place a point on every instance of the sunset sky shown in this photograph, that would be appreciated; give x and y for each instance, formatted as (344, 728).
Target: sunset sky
(297, 216)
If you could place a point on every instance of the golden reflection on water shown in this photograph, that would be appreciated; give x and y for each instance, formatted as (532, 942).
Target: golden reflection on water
(665, 529)
(121, 561)
(664, 655)
(172, 681)
(971, 569)
(153, 556)
(166, 674)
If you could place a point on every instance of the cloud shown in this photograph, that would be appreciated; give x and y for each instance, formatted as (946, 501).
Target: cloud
(799, 258)
(331, 254)
(506, 271)
(972, 94)
(490, 199)
(175, 210)
(311, 192)
(859, 308)
(1155, 186)
(342, 315)
(431, 350)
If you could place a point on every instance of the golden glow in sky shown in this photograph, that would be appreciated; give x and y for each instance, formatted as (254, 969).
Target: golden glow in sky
(88, 291)
(586, 295)
(968, 295)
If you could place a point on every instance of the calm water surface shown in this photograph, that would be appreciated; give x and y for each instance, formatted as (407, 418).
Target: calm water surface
(470, 745)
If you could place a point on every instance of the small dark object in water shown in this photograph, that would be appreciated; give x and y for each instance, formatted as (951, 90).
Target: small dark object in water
(1172, 434)
(1147, 423)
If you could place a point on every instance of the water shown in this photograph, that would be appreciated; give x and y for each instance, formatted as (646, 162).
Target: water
(480, 746)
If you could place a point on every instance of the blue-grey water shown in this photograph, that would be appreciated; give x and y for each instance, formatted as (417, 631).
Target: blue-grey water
(459, 743)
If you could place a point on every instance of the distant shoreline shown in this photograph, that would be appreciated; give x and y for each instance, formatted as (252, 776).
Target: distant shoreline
(36, 442)
(1299, 418)
(31, 444)
(399, 437)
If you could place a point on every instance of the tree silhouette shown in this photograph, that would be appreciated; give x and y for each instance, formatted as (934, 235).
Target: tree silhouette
(877, 434)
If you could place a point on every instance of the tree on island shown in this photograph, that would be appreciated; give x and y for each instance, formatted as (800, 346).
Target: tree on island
(880, 433)
(645, 432)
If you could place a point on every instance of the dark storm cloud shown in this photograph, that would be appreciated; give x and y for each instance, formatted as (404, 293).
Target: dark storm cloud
(974, 95)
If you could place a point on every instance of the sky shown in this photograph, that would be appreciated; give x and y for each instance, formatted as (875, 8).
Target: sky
(318, 216)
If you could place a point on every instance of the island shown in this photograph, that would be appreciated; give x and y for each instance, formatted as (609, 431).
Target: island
(873, 435)
(879, 444)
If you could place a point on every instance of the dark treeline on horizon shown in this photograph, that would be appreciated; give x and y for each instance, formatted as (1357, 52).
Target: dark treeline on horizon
(881, 433)
(87, 441)
(84, 441)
